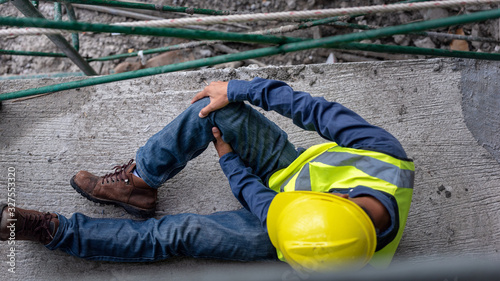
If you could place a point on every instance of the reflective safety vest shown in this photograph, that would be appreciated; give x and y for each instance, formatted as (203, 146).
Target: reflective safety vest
(326, 166)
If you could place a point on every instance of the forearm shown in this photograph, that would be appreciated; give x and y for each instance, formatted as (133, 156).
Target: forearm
(247, 187)
(330, 120)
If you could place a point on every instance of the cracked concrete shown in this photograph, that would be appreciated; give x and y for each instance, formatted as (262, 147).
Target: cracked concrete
(444, 112)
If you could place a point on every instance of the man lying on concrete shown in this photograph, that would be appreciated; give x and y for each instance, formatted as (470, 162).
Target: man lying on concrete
(336, 205)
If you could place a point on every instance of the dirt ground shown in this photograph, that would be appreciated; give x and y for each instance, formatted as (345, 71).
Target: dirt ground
(94, 45)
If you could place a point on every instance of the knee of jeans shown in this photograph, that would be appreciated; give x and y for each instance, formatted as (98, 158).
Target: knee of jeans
(199, 104)
(220, 116)
(227, 115)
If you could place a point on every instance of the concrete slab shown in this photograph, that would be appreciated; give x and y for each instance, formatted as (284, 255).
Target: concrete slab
(425, 103)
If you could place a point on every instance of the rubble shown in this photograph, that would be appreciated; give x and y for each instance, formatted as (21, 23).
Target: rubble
(99, 45)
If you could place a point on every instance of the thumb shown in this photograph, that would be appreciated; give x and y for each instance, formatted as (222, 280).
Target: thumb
(205, 111)
(216, 133)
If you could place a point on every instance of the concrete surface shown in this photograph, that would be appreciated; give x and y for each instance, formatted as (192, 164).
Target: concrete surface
(444, 112)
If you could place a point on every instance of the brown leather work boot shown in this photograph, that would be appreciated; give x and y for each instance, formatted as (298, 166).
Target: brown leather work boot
(21, 224)
(120, 188)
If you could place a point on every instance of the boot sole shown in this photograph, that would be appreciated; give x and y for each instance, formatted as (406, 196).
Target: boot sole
(138, 212)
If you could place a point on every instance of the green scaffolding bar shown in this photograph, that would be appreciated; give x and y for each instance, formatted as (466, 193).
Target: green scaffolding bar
(180, 46)
(379, 48)
(328, 42)
(28, 53)
(57, 11)
(153, 31)
(145, 52)
(423, 33)
(25, 7)
(231, 36)
(72, 17)
(144, 6)
(308, 24)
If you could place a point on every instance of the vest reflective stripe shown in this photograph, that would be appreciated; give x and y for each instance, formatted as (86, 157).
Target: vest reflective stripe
(326, 166)
(369, 168)
(303, 180)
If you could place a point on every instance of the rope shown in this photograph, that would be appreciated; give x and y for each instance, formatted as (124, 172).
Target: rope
(272, 16)
(307, 14)
(328, 42)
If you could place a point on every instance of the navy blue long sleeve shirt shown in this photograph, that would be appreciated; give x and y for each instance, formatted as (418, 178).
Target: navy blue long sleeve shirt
(330, 120)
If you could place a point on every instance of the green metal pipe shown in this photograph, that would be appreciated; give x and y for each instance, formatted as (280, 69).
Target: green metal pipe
(418, 51)
(255, 38)
(28, 53)
(143, 72)
(424, 33)
(145, 52)
(393, 30)
(153, 31)
(25, 7)
(351, 46)
(144, 6)
(158, 50)
(72, 17)
(184, 45)
(57, 11)
(328, 42)
(308, 24)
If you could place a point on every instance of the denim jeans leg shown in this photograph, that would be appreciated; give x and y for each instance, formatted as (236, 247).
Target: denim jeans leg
(167, 152)
(259, 142)
(232, 235)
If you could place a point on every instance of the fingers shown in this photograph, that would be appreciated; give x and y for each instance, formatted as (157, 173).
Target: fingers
(217, 92)
(222, 147)
(207, 109)
(216, 133)
(205, 92)
(199, 96)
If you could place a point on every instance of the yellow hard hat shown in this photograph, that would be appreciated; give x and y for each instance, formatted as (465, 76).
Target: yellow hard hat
(320, 232)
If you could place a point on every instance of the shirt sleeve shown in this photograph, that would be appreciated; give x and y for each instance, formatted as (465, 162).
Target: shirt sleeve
(330, 120)
(247, 187)
(389, 202)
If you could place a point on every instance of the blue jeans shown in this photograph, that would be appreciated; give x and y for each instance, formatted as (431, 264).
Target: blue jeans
(232, 235)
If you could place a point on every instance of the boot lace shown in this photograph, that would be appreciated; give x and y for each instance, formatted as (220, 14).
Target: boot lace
(118, 174)
(37, 226)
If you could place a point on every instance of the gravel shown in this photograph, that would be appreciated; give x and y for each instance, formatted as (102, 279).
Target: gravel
(95, 45)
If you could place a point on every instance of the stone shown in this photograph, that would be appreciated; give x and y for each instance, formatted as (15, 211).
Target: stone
(432, 14)
(401, 39)
(424, 43)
